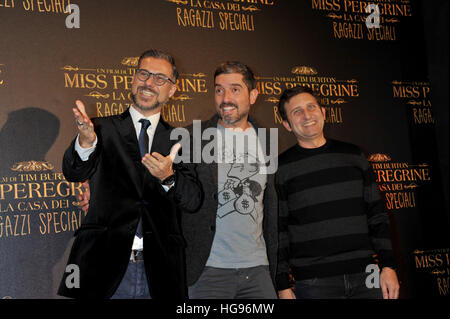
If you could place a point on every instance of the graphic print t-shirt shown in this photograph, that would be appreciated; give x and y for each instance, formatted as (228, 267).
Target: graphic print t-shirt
(239, 241)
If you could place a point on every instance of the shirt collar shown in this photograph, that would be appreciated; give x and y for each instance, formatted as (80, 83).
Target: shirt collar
(136, 116)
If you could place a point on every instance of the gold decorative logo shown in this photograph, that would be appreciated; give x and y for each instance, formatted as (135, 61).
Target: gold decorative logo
(72, 68)
(392, 20)
(272, 100)
(182, 97)
(98, 95)
(411, 186)
(69, 68)
(338, 101)
(303, 70)
(195, 75)
(251, 8)
(334, 16)
(130, 61)
(379, 158)
(32, 166)
(185, 2)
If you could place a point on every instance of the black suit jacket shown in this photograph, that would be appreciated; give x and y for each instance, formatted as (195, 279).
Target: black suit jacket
(122, 191)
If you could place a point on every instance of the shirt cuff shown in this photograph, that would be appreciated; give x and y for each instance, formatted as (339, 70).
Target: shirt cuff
(84, 152)
(167, 188)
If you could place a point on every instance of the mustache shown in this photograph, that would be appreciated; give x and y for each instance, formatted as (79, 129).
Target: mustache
(222, 105)
(143, 87)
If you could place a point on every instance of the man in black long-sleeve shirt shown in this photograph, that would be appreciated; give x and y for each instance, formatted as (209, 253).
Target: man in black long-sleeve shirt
(332, 218)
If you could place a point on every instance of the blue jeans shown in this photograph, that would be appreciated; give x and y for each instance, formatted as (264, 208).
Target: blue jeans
(234, 283)
(347, 286)
(134, 283)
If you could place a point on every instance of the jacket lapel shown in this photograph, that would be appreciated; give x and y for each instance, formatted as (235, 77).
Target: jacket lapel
(213, 167)
(127, 131)
(159, 144)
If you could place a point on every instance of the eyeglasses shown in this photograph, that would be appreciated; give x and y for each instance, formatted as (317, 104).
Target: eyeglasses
(158, 78)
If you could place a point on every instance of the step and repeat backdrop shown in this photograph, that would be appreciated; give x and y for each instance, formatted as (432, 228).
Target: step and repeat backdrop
(373, 80)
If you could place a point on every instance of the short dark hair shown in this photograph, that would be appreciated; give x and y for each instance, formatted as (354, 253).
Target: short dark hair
(158, 54)
(288, 94)
(229, 67)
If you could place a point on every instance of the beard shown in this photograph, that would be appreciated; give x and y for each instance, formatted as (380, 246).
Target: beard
(230, 119)
(147, 108)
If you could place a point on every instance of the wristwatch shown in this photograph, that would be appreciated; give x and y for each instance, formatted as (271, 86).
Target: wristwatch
(168, 181)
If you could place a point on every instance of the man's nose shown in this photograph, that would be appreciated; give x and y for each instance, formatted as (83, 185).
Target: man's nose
(226, 96)
(150, 81)
(307, 115)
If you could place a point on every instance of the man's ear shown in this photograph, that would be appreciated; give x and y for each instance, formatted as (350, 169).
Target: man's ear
(253, 95)
(172, 91)
(323, 112)
(287, 126)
